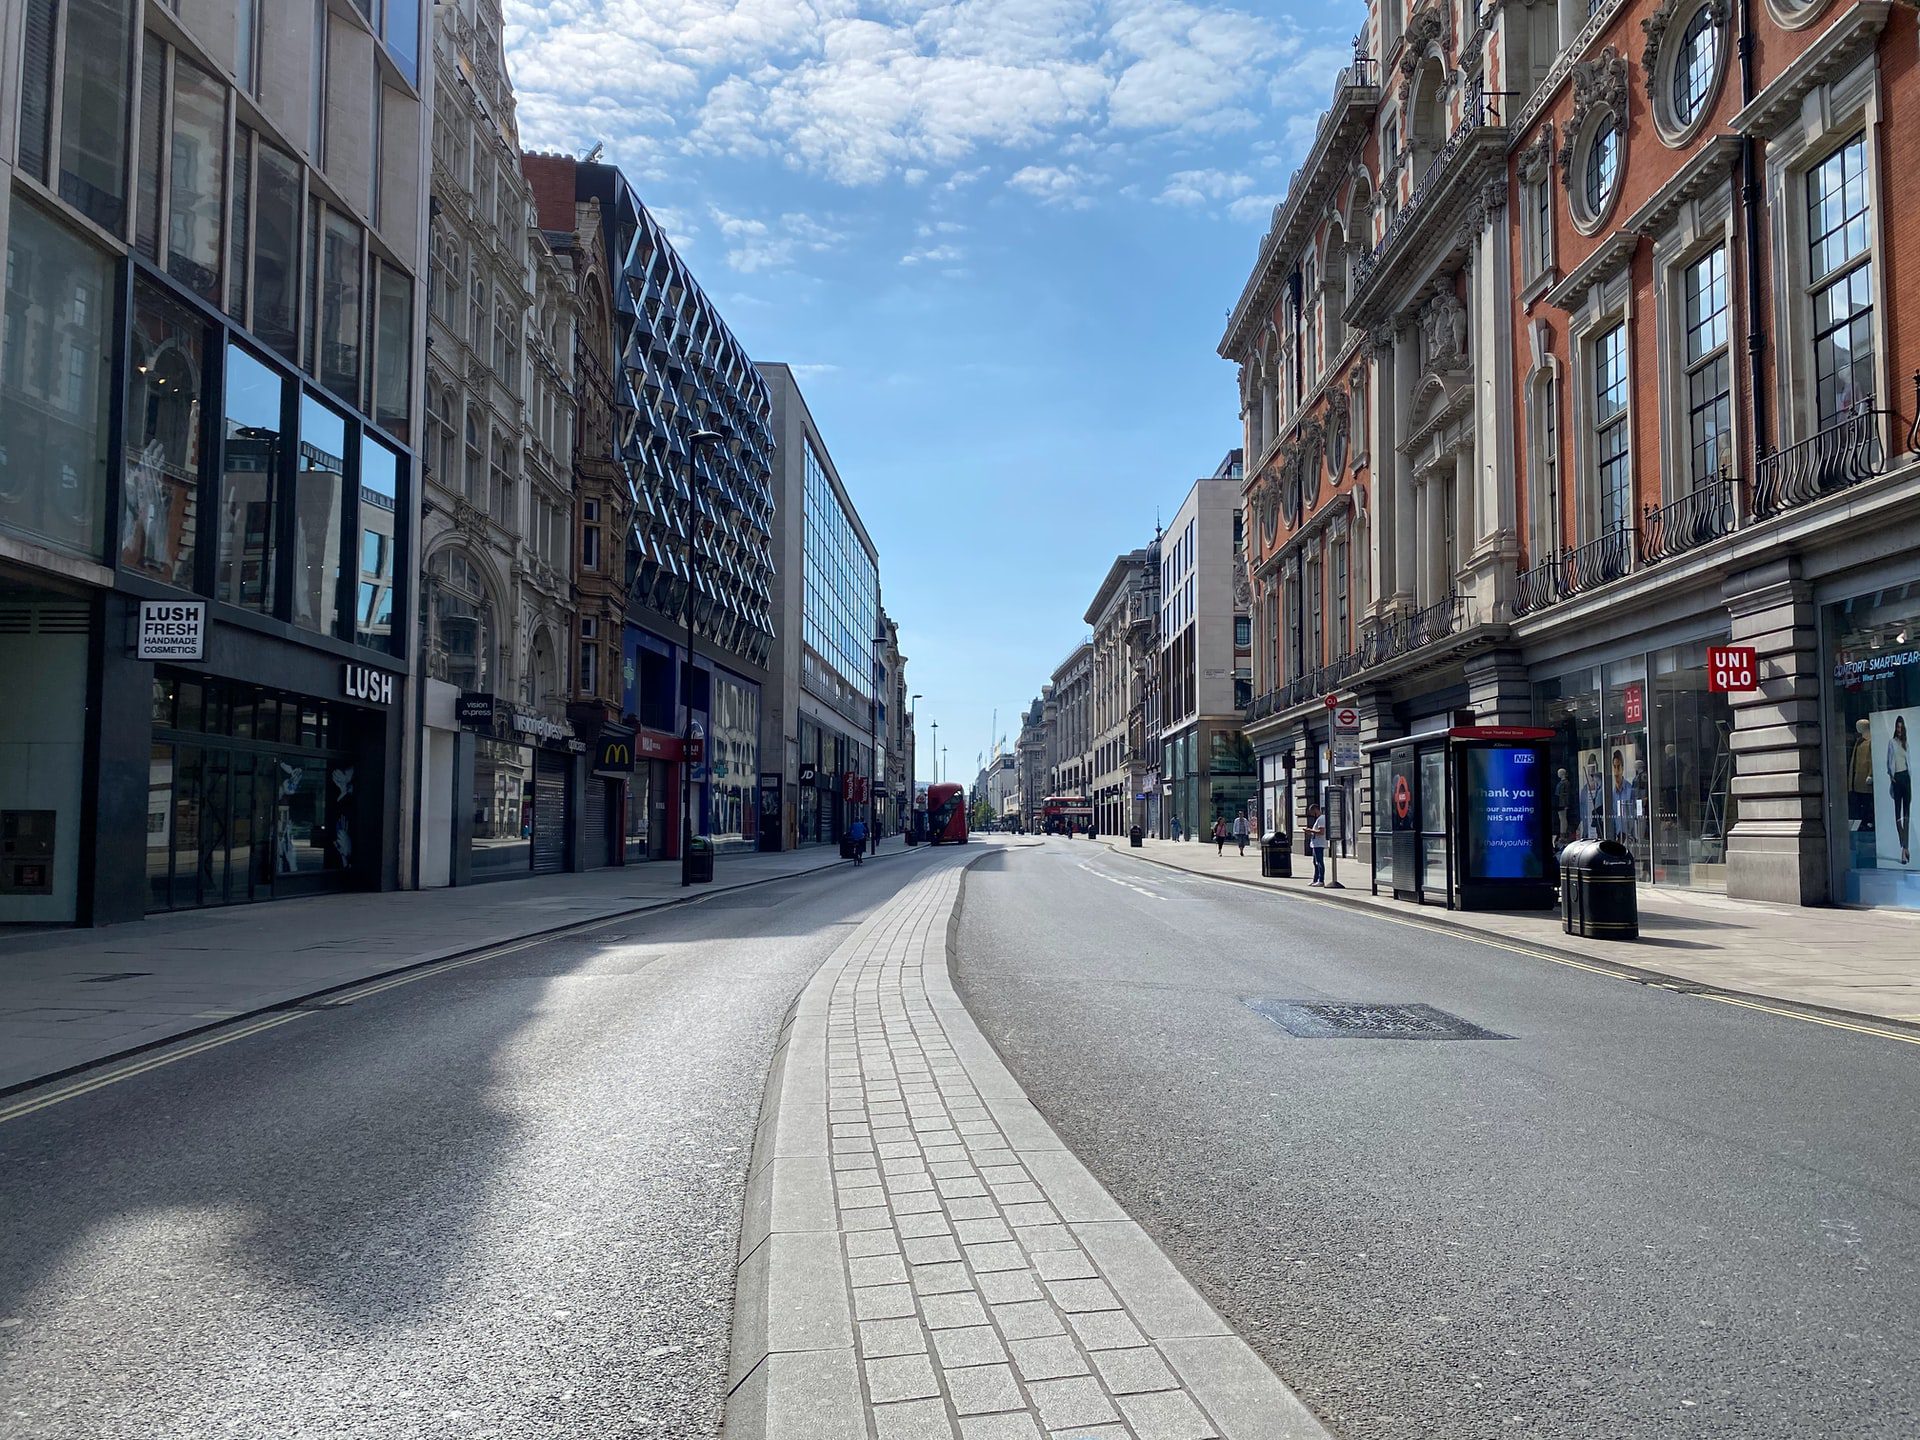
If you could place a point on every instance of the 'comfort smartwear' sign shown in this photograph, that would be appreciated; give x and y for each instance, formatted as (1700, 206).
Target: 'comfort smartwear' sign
(171, 630)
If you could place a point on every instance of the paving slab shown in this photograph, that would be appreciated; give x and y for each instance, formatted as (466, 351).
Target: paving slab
(996, 1290)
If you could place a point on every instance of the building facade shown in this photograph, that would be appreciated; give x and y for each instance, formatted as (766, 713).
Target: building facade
(823, 714)
(1207, 769)
(894, 801)
(503, 777)
(1118, 618)
(1069, 724)
(214, 227)
(1573, 354)
(1030, 760)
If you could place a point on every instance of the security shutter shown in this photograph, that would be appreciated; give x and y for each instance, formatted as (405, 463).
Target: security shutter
(549, 812)
(598, 852)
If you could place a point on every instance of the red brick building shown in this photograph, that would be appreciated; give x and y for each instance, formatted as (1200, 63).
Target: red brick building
(1574, 351)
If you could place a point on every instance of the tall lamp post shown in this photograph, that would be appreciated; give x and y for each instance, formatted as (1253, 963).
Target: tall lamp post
(695, 442)
(936, 752)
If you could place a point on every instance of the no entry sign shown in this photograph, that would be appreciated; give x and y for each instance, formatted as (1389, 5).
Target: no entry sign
(1731, 669)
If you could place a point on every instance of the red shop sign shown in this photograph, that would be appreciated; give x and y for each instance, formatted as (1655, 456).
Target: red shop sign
(1634, 700)
(1731, 669)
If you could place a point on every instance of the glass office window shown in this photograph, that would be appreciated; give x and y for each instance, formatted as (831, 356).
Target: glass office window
(276, 250)
(96, 93)
(319, 510)
(392, 348)
(335, 297)
(160, 500)
(197, 174)
(379, 496)
(249, 483)
(56, 354)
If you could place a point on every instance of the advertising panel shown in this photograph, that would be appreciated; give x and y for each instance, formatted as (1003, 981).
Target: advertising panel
(1506, 813)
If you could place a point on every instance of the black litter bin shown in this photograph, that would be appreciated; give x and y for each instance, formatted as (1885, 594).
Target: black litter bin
(1135, 837)
(1276, 856)
(1598, 898)
(700, 861)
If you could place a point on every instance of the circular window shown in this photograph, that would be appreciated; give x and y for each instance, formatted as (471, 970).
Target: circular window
(1603, 166)
(1696, 66)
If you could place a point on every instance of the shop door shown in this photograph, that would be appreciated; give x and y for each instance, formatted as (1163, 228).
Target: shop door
(549, 812)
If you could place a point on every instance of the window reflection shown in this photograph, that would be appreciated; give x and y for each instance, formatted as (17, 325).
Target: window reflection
(161, 498)
(319, 503)
(253, 443)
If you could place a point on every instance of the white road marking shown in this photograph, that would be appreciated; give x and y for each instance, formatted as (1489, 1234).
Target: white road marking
(1116, 880)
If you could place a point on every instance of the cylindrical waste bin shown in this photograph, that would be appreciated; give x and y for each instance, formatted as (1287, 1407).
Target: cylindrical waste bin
(1276, 856)
(1135, 837)
(1599, 898)
(700, 861)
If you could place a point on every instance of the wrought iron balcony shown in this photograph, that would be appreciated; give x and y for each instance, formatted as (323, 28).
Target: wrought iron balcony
(1689, 522)
(1843, 453)
(1383, 642)
(1574, 570)
(1479, 111)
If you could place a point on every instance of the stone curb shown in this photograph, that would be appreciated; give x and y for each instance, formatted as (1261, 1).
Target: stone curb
(418, 962)
(795, 1372)
(1618, 969)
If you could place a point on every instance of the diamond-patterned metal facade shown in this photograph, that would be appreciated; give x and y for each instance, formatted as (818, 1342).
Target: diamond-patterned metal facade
(683, 371)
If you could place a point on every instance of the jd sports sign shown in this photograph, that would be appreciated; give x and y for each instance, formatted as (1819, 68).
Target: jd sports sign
(363, 682)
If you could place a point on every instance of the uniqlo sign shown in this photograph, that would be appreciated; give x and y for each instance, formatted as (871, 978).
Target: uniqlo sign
(1634, 703)
(1731, 668)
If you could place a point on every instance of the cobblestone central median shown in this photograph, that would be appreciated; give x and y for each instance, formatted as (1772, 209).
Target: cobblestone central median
(922, 1257)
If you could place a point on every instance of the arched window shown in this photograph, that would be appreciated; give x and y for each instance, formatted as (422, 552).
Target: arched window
(462, 635)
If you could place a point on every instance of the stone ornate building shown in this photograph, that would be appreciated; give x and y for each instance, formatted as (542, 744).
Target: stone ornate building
(1574, 354)
(497, 611)
(1121, 620)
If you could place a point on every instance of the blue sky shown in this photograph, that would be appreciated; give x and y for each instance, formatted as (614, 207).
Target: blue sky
(996, 238)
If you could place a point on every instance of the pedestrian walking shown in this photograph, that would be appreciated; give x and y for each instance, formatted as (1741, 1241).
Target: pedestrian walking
(1220, 835)
(1240, 832)
(1176, 827)
(1317, 842)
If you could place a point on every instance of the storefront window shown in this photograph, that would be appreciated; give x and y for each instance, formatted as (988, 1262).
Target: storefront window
(734, 741)
(319, 501)
(1692, 771)
(161, 500)
(379, 498)
(502, 809)
(1875, 734)
(56, 354)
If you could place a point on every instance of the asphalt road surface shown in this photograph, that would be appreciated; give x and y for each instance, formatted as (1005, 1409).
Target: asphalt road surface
(1643, 1214)
(501, 1201)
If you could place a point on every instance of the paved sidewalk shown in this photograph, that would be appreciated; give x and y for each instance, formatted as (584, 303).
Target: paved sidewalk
(922, 1259)
(71, 998)
(1866, 962)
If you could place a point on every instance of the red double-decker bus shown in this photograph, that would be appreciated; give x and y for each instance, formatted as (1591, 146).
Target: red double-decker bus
(1064, 814)
(947, 814)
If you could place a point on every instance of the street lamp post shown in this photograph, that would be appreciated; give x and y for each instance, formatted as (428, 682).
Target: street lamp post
(698, 439)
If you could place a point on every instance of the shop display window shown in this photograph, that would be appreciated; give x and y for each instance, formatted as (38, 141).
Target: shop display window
(502, 809)
(1874, 737)
(160, 499)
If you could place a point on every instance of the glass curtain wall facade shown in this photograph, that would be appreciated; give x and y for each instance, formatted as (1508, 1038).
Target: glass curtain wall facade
(840, 587)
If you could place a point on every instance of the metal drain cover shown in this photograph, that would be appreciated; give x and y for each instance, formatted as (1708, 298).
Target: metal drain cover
(1352, 1020)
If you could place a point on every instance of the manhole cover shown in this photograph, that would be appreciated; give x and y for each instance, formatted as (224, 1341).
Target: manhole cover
(1351, 1020)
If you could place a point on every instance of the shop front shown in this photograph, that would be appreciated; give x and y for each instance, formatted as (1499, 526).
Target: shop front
(1642, 754)
(45, 652)
(653, 796)
(1871, 642)
(603, 827)
(522, 795)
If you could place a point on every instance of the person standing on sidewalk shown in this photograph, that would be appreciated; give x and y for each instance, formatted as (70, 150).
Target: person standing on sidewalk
(1240, 832)
(1317, 842)
(1220, 835)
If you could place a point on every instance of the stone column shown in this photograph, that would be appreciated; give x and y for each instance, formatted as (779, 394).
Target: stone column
(1380, 476)
(1777, 846)
(1406, 369)
(1498, 689)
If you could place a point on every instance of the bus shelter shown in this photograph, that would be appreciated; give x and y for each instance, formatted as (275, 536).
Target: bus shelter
(1463, 817)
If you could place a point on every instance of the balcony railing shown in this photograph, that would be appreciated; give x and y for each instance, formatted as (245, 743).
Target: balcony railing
(1479, 111)
(1689, 522)
(1573, 570)
(1845, 452)
(1385, 641)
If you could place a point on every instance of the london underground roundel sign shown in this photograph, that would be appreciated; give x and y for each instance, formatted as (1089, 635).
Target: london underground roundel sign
(1402, 797)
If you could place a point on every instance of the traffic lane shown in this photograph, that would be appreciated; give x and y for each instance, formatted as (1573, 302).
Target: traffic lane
(1646, 1213)
(502, 1200)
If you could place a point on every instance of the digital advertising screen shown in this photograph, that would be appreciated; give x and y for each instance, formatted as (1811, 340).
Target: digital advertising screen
(1506, 802)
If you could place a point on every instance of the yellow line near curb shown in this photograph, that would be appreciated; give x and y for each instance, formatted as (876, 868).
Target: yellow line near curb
(1518, 949)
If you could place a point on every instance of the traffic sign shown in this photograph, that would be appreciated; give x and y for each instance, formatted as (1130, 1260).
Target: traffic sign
(1332, 700)
(1346, 718)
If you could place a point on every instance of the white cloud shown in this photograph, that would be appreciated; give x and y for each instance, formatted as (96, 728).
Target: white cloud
(933, 255)
(1052, 185)
(755, 245)
(1198, 187)
(1250, 208)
